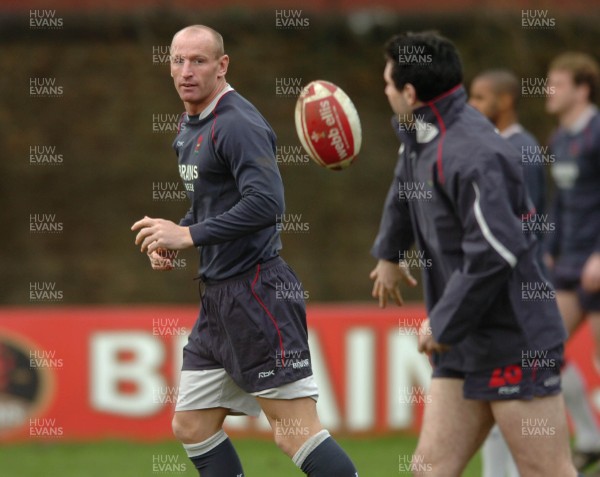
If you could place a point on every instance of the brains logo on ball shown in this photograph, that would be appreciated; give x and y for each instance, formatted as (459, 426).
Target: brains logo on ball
(328, 125)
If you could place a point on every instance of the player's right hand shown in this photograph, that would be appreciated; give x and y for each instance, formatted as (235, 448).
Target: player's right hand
(387, 276)
(427, 343)
(159, 260)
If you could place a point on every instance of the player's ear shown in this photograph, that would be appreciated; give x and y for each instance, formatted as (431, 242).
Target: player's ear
(223, 65)
(410, 94)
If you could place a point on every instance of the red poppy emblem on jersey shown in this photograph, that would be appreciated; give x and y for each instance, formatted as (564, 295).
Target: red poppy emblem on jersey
(198, 144)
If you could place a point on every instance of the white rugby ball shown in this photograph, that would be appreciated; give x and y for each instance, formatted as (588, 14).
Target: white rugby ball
(328, 125)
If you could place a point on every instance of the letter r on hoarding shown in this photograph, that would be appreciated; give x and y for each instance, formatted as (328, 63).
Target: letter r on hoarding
(141, 371)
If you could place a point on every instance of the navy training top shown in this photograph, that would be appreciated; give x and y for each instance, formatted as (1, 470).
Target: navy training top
(459, 193)
(576, 204)
(227, 163)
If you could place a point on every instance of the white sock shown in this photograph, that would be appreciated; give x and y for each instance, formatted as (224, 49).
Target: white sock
(310, 445)
(497, 459)
(587, 434)
(195, 450)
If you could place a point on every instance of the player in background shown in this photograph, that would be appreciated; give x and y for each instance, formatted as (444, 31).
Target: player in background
(248, 349)
(573, 252)
(469, 227)
(495, 94)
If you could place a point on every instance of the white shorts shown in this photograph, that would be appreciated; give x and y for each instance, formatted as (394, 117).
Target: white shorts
(210, 388)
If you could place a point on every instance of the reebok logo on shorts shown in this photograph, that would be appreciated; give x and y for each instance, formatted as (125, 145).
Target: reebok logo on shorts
(266, 374)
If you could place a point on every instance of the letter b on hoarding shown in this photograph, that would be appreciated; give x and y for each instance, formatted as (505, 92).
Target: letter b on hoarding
(125, 372)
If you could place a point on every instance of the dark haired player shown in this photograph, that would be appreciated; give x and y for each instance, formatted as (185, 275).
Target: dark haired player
(574, 250)
(495, 94)
(236, 360)
(470, 230)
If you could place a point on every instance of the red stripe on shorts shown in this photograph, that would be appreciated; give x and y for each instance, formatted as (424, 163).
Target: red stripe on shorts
(269, 314)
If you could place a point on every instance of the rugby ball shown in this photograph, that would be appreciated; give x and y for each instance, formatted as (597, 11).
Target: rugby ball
(328, 125)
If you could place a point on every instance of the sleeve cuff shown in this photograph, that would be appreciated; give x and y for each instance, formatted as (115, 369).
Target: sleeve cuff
(381, 253)
(198, 233)
(387, 258)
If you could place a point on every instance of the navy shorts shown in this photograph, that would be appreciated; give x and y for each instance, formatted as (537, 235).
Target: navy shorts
(254, 326)
(536, 375)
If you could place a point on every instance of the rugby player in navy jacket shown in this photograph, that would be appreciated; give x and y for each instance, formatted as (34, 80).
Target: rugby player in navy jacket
(248, 350)
(482, 329)
(573, 251)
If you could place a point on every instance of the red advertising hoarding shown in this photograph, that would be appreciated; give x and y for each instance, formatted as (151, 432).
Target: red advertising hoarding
(92, 373)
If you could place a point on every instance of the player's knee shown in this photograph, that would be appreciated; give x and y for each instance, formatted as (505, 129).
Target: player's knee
(425, 462)
(535, 466)
(181, 428)
(190, 431)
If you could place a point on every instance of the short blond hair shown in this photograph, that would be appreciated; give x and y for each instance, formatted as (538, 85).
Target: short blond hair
(217, 38)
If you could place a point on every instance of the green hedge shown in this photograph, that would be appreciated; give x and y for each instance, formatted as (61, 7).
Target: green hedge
(102, 126)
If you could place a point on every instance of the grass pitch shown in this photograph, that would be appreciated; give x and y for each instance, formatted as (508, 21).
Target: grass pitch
(374, 457)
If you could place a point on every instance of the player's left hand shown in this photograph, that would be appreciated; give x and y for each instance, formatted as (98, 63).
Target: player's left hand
(427, 344)
(155, 234)
(387, 277)
(590, 276)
